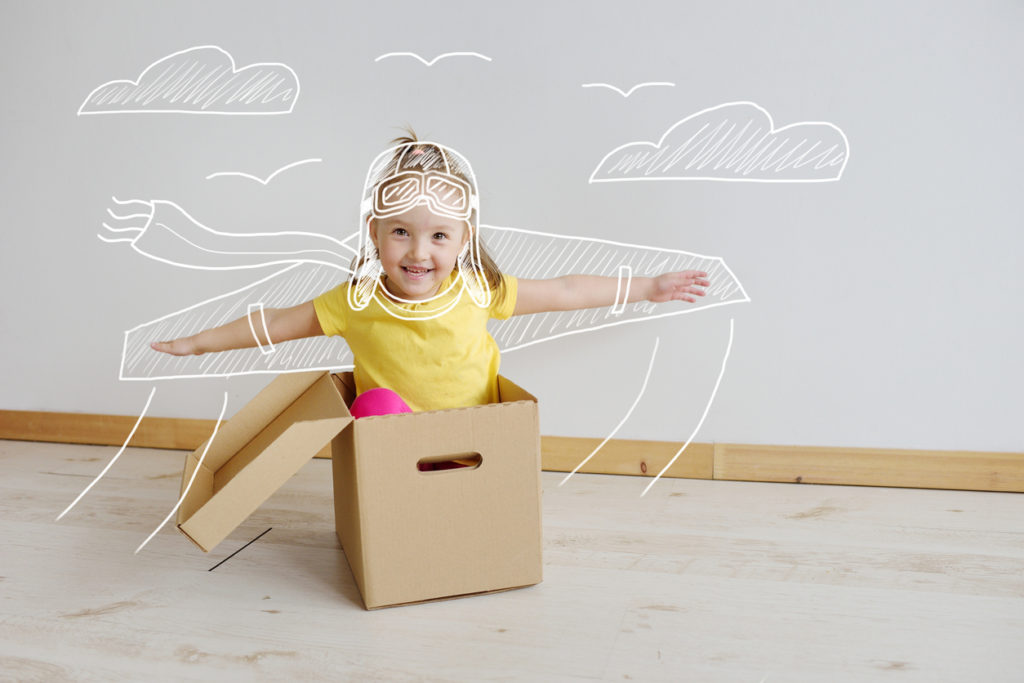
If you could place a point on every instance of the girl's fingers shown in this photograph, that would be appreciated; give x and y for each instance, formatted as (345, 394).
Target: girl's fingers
(692, 278)
(163, 347)
(688, 294)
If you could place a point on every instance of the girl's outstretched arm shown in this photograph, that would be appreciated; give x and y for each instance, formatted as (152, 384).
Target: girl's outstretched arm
(283, 324)
(572, 292)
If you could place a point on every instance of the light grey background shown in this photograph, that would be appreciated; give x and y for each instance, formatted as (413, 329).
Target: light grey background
(886, 307)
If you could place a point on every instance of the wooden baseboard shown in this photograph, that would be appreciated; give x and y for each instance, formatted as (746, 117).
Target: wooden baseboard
(967, 470)
(104, 430)
(625, 456)
(976, 471)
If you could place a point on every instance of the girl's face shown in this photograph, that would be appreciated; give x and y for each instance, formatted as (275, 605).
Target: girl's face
(418, 250)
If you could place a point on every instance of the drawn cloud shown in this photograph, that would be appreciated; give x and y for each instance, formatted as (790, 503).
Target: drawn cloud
(736, 141)
(199, 80)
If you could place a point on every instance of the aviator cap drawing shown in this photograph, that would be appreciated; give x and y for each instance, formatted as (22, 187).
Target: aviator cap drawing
(409, 175)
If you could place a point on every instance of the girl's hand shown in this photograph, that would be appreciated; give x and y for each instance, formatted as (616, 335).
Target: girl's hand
(178, 347)
(682, 286)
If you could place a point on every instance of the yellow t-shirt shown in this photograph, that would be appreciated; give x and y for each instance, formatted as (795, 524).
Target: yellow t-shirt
(448, 361)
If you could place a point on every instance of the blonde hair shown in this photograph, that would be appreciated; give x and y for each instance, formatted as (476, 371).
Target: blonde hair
(427, 157)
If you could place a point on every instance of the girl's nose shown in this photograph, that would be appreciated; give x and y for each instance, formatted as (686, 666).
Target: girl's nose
(420, 249)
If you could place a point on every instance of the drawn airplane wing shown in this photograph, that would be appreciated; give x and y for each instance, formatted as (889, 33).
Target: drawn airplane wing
(521, 253)
(287, 287)
(540, 255)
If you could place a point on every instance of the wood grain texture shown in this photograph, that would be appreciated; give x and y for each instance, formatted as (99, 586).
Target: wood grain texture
(104, 430)
(712, 581)
(626, 456)
(871, 467)
(965, 470)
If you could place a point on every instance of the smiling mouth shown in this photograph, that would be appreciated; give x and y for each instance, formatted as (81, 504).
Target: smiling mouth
(416, 272)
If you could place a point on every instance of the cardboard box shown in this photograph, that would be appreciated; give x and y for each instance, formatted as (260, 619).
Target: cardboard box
(409, 535)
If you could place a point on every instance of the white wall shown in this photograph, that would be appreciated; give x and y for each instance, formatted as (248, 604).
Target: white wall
(886, 307)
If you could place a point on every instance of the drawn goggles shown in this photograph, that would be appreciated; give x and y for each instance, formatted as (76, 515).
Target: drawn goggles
(444, 194)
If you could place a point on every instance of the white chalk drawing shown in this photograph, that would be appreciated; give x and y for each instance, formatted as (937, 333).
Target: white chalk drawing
(643, 388)
(199, 465)
(199, 80)
(711, 399)
(165, 232)
(436, 59)
(533, 254)
(402, 178)
(110, 464)
(287, 287)
(625, 279)
(736, 142)
(627, 93)
(522, 253)
(266, 333)
(398, 179)
(270, 177)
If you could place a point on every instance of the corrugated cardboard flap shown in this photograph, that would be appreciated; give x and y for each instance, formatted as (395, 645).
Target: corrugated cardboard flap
(509, 391)
(257, 451)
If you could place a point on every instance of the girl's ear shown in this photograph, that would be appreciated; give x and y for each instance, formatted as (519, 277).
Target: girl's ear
(370, 227)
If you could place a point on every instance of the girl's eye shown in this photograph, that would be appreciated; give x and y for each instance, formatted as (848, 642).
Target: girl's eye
(440, 236)
(399, 231)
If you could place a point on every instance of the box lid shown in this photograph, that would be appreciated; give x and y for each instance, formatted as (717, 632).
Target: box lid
(257, 451)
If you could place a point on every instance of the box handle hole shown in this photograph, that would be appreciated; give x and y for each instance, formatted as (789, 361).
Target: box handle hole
(457, 461)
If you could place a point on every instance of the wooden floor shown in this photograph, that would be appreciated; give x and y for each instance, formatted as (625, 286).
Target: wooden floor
(698, 581)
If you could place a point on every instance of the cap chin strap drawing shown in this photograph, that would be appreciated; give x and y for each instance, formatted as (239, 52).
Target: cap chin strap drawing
(399, 179)
(472, 276)
(405, 309)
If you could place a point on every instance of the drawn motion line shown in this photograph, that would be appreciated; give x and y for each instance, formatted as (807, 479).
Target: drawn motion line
(269, 177)
(192, 479)
(711, 399)
(239, 550)
(435, 59)
(112, 460)
(631, 90)
(629, 412)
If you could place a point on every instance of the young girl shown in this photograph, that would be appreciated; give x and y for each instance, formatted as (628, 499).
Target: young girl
(415, 310)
